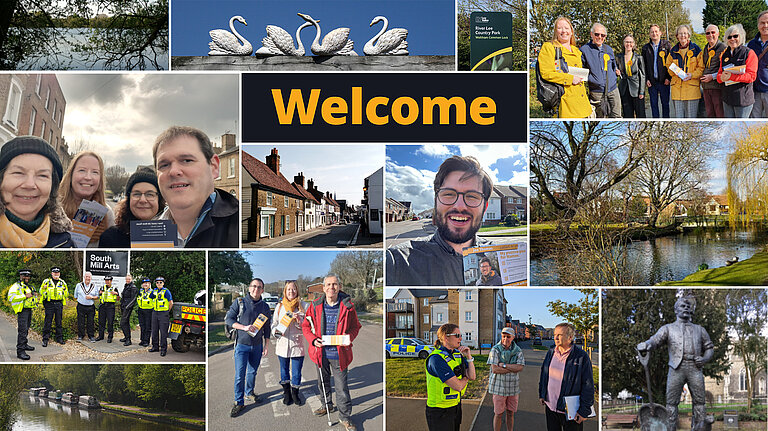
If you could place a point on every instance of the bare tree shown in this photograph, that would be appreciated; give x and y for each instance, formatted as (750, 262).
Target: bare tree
(116, 178)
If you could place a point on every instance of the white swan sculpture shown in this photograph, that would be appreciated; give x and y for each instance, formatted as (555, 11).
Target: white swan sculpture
(226, 43)
(280, 42)
(336, 42)
(391, 42)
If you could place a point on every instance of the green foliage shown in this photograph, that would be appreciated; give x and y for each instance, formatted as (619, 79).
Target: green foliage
(462, 56)
(14, 378)
(519, 11)
(193, 380)
(584, 315)
(184, 272)
(228, 267)
(511, 220)
(364, 298)
(634, 315)
(111, 381)
(729, 12)
(76, 378)
(747, 312)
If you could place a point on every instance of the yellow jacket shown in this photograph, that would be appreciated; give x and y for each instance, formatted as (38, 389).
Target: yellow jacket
(689, 60)
(574, 103)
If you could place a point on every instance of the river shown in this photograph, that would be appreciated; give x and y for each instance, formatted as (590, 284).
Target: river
(672, 257)
(65, 57)
(40, 414)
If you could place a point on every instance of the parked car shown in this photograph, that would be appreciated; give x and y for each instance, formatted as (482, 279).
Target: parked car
(272, 302)
(407, 348)
(415, 218)
(537, 341)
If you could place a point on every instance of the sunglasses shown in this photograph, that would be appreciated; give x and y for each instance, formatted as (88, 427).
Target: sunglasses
(710, 32)
(599, 34)
(733, 36)
(453, 335)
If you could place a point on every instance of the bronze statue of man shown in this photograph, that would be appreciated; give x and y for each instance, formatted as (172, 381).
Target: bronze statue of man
(689, 349)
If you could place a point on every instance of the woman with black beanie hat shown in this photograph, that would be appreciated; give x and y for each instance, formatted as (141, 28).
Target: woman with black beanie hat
(30, 213)
(142, 202)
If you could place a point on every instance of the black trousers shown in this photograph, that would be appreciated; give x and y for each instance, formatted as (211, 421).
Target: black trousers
(125, 321)
(160, 322)
(444, 419)
(145, 323)
(24, 320)
(558, 422)
(85, 316)
(53, 310)
(107, 317)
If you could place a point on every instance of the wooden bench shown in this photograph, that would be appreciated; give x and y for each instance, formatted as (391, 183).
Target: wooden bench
(620, 420)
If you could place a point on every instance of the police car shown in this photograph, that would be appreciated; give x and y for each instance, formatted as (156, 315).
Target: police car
(407, 348)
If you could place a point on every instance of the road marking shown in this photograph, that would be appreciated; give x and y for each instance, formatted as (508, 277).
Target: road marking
(354, 240)
(342, 244)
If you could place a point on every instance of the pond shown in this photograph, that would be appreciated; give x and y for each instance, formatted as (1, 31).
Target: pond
(672, 257)
(40, 414)
(66, 57)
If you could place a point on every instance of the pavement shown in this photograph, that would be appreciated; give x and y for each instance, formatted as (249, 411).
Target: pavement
(336, 235)
(365, 385)
(397, 232)
(85, 351)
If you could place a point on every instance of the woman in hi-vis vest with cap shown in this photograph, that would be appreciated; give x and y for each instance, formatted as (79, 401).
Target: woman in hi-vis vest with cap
(449, 368)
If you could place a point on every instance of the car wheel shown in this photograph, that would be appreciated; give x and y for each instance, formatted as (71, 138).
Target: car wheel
(387, 354)
(423, 354)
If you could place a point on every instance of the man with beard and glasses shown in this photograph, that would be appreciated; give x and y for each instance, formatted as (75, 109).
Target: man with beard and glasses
(462, 189)
(488, 276)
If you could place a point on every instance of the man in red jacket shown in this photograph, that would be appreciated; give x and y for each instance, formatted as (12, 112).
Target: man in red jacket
(332, 314)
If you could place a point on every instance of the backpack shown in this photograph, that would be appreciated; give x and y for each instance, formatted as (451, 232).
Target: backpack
(229, 331)
(549, 93)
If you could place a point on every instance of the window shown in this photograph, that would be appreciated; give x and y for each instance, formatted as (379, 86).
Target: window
(468, 316)
(42, 130)
(61, 115)
(48, 99)
(467, 336)
(37, 87)
(490, 216)
(32, 117)
(426, 318)
(427, 336)
(468, 295)
(287, 222)
(231, 168)
(53, 114)
(426, 301)
(50, 135)
(510, 200)
(439, 317)
(743, 379)
(285, 202)
(264, 231)
(13, 107)
(269, 198)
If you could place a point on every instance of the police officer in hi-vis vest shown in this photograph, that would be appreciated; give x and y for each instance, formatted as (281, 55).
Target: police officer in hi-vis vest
(23, 299)
(449, 368)
(146, 307)
(107, 300)
(160, 318)
(54, 294)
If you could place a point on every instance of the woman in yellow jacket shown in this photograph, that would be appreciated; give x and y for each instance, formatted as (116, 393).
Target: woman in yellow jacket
(574, 103)
(683, 60)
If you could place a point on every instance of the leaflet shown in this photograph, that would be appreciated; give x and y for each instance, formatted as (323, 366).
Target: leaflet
(579, 72)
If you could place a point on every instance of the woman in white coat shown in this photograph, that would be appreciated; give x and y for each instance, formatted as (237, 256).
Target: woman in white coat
(286, 326)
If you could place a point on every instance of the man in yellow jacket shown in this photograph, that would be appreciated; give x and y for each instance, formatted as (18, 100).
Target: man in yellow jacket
(54, 294)
(23, 300)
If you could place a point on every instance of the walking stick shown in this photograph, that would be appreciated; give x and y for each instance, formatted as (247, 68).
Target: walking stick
(320, 372)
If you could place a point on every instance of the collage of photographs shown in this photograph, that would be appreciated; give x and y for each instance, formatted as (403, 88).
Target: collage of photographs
(466, 215)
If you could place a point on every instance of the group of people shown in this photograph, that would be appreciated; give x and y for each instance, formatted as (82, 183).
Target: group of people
(153, 308)
(565, 371)
(730, 75)
(40, 200)
(294, 322)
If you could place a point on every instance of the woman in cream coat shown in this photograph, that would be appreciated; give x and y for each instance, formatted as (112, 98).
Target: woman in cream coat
(289, 314)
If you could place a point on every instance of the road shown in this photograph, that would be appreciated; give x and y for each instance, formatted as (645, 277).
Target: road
(409, 413)
(365, 384)
(337, 235)
(401, 231)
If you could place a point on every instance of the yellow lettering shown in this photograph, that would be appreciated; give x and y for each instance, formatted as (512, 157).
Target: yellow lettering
(479, 107)
(357, 105)
(295, 103)
(370, 111)
(334, 105)
(444, 108)
(397, 110)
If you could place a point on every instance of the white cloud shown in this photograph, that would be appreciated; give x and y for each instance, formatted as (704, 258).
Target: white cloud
(406, 183)
(434, 150)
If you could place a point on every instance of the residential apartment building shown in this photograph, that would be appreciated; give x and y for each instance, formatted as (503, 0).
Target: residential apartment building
(229, 170)
(412, 311)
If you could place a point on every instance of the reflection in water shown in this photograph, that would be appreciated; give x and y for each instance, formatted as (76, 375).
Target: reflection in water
(38, 414)
(672, 257)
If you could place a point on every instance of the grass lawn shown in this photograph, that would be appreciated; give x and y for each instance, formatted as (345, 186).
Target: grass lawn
(216, 337)
(535, 108)
(405, 378)
(749, 272)
(500, 227)
(371, 317)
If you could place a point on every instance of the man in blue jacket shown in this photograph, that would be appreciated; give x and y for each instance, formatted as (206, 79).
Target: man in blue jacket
(251, 318)
(566, 371)
(760, 45)
(599, 59)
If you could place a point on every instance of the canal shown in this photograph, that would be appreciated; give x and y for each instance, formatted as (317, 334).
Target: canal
(669, 258)
(41, 414)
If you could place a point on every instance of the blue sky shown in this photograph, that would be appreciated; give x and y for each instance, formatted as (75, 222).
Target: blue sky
(411, 169)
(273, 266)
(522, 302)
(430, 23)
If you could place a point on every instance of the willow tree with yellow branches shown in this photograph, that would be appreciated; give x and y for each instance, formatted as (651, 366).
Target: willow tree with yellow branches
(747, 174)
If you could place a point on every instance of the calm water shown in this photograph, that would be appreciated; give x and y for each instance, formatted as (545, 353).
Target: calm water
(675, 257)
(69, 59)
(39, 414)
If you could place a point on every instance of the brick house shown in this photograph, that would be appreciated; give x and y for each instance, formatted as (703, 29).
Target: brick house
(229, 174)
(514, 200)
(310, 203)
(492, 215)
(271, 205)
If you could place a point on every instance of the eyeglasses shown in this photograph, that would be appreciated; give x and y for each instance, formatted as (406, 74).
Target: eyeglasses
(472, 198)
(733, 36)
(598, 34)
(151, 196)
(453, 335)
(710, 32)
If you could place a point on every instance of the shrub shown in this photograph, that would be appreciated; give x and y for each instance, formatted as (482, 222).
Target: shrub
(511, 220)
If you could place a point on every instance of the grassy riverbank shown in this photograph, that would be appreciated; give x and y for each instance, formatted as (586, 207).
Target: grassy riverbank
(179, 419)
(749, 272)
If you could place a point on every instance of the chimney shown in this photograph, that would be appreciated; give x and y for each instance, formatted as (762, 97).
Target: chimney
(310, 184)
(299, 179)
(228, 141)
(273, 161)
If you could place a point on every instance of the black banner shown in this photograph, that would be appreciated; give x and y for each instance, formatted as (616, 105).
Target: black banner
(384, 107)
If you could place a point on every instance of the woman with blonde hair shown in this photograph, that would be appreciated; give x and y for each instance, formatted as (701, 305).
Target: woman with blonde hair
(286, 327)
(683, 60)
(574, 103)
(84, 180)
(738, 96)
(449, 368)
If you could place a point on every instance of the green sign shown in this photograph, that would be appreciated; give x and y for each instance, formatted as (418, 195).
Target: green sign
(490, 40)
